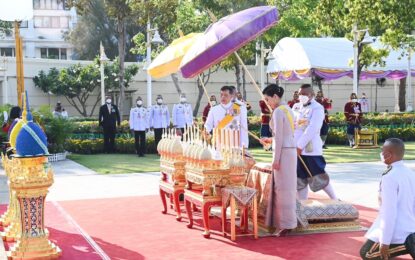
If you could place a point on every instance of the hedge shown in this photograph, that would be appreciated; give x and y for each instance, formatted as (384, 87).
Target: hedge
(93, 146)
(87, 134)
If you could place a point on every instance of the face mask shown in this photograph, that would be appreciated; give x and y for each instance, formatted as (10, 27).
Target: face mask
(139, 103)
(159, 101)
(183, 99)
(354, 100)
(213, 103)
(304, 99)
(108, 101)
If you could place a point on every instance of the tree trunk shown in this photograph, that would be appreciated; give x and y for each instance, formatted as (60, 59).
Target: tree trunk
(121, 53)
(238, 77)
(402, 94)
(176, 83)
(199, 97)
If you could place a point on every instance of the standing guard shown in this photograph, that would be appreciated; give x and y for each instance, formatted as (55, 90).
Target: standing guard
(159, 119)
(182, 114)
(139, 124)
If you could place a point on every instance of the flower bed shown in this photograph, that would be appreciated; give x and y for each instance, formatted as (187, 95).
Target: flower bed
(87, 134)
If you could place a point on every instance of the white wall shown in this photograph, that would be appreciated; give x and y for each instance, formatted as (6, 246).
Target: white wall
(338, 90)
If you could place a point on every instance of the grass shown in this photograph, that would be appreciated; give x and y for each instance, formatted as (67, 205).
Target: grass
(128, 163)
(343, 154)
(118, 163)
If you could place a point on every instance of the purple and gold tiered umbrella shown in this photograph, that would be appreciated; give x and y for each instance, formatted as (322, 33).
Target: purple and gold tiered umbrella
(226, 36)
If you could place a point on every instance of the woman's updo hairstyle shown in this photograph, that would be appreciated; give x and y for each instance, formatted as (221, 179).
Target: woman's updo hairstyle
(273, 89)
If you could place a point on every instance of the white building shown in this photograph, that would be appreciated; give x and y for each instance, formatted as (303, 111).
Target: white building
(43, 36)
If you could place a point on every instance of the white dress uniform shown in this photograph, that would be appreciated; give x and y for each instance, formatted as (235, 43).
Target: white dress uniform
(139, 119)
(308, 120)
(240, 122)
(159, 116)
(396, 218)
(182, 115)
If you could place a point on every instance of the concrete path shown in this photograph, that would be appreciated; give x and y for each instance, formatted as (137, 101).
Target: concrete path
(354, 182)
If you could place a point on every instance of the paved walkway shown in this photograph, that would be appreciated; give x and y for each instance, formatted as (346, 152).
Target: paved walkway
(354, 182)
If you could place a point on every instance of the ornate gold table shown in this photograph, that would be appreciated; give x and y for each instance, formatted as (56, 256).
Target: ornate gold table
(172, 183)
(203, 189)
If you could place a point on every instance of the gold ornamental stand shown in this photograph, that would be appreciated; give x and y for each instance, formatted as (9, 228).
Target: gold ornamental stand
(11, 218)
(30, 181)
(366, 139)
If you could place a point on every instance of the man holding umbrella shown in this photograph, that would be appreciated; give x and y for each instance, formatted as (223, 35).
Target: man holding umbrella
(309, 117)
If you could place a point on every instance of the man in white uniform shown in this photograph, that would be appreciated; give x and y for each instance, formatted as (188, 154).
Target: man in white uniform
(159, 119)
(393, 232)
(309, 117)
(182, 114)
(229, 115)
(139, 124)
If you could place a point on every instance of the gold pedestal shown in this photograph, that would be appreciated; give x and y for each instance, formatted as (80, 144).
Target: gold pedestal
(31, 179)
(11, 218)
(7, 216)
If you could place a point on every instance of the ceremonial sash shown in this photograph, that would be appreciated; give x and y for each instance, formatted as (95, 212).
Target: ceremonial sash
(287, 113)
(229, 117)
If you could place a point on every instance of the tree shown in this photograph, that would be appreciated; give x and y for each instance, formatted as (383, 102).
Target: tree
(94, 26)
(391, 19)
(78, 83)
(121, 13)
(5, 28)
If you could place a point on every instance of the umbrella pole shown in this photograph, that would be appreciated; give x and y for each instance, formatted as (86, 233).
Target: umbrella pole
(204, 88)
(252, 79)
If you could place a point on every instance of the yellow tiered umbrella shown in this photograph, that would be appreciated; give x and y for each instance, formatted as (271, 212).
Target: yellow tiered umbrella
(168, 61)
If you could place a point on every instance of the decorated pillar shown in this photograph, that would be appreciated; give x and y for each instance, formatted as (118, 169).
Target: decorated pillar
(30, 177)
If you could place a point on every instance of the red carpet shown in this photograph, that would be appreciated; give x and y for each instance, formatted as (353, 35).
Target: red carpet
(65, 235)
(134, 228)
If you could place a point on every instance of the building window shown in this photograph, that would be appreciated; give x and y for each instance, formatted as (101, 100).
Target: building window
(49, 5)
(24, 24)
(53, 53)
(8, 52)
(51, 22)
(63, 54)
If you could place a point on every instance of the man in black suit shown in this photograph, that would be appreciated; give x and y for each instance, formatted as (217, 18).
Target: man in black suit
(109, 118)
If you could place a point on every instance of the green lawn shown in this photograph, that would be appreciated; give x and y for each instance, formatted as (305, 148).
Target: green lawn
(118, 163)
(343, 154)
(128, 163)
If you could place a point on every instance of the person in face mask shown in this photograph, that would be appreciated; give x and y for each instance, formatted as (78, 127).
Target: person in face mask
(211, 103)
(364, 102)
(295, 99)
(182, 115)
(393, 232)
(229, 115)
(308, 119)
(109, 119)
(139, 124)
(354, 116)
(326, 103)
(159, 118)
